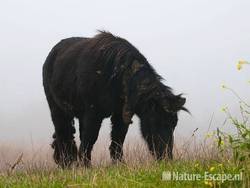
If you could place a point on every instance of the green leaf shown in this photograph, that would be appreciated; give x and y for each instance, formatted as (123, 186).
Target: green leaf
(242, 158)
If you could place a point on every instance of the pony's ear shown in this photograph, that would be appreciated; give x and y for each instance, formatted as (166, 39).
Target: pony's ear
(174, 103)
(180, 101)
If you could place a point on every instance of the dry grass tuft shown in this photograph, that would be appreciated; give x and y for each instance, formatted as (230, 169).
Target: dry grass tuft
(16, 158)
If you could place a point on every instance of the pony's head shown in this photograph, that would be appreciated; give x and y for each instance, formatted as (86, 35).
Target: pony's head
(159, 117)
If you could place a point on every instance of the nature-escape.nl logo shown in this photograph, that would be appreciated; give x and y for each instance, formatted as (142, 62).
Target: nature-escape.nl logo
(206, 176)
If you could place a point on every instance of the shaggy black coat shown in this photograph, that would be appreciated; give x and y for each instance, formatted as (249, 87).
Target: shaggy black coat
(94, 78)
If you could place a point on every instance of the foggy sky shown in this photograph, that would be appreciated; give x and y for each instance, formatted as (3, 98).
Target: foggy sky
(193, 44)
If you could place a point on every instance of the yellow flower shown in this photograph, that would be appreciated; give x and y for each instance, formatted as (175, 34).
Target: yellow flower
(223, 86)
(222, 143)
(239, 66)
(240, 63)
(212, 169)
(224, 109)
(196, 165)
(209, 135)
(209, 183)
(220, 165)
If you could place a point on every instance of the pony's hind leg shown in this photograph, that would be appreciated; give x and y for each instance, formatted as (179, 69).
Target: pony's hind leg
(65, 149)
(90, 125)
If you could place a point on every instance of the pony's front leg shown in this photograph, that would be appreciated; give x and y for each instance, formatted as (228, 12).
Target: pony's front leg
(118, 134)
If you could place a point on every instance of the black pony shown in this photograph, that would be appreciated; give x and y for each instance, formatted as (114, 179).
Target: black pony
(94, 78)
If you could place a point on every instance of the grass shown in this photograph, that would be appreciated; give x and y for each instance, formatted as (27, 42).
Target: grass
(149, 175)
(139, 169)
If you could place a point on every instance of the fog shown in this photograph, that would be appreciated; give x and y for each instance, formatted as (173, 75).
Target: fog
(193, 44)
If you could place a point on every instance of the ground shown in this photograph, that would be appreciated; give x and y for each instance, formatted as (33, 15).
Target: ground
(138, 170)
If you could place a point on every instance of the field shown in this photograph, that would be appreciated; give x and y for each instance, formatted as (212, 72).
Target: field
(35, 168)
(149, 175)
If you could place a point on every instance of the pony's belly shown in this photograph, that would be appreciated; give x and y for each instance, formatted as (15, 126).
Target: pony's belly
(105, 106)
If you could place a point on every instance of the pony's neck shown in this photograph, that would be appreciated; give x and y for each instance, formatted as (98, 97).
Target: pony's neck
(142, 87)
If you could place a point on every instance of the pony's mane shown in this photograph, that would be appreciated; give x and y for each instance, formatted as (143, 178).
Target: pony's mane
(115, 52)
